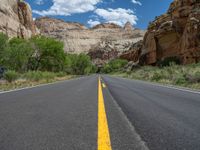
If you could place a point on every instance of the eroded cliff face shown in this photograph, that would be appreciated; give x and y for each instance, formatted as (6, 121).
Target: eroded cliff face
(16, 19)
(106, 39)
(176, 33)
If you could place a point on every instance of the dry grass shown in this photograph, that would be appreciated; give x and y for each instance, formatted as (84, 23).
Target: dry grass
(184, 76)
(21, 83)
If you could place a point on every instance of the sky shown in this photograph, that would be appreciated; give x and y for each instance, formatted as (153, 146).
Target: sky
(92, 12)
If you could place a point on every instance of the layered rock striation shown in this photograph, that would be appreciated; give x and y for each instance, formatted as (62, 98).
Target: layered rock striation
(16, 19)
(103, 42)
(174, 34)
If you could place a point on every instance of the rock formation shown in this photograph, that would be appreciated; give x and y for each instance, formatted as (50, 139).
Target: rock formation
(16, 19)
(79, 39)
(102, 42)
(133, 53)
(176, 33)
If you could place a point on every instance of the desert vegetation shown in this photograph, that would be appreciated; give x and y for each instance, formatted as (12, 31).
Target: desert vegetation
(170, 74)
(39, 59)
(115, 65)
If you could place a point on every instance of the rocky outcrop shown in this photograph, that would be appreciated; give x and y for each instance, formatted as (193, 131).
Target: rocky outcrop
(16, 19)
(128, 26)
(107, 26)
(174, 34)
(79, 39)
(103, 52)
(133, 53)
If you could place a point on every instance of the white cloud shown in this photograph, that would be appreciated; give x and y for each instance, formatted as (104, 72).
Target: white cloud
(39, 2)
(136, 2)
(118, 16)
(93, 23)
(68, 7)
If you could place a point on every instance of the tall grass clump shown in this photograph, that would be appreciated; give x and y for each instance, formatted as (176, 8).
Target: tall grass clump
(38, 75)
(11, 76)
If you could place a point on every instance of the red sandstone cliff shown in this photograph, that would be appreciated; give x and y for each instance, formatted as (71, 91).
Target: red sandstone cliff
(176, 33)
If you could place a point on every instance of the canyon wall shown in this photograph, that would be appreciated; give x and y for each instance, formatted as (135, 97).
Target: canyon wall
(102, 42)
(174, 34)
(16, 19)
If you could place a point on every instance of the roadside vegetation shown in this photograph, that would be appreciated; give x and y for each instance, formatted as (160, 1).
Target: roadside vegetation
(171, 74)
(38, 60)
(115, 65)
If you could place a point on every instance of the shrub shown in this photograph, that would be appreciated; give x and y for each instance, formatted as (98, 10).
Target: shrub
(38, 75)
(156, 76)
(180, 80)
(114, 66)
(3, 45)
(168, 61)
(60, 74)
(79, 64)
(195, 78)
(11, 76)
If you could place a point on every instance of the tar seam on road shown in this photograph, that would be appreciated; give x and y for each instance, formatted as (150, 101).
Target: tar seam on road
(103, 130)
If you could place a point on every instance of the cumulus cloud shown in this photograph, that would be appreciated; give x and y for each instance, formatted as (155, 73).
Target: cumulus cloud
(118, 16)
(39, 2)
(68, 7)
(93, 23)
(136, 2)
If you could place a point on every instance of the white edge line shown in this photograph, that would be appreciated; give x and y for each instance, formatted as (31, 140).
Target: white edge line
(159, 85)
(40, 85)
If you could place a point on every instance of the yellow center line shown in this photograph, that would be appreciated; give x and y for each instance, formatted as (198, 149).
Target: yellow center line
(103, 131)
(104, 85)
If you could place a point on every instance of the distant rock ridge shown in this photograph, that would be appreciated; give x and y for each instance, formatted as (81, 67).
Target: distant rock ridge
(107, 25)
(79, 39)
(128, 26)
(16, 19)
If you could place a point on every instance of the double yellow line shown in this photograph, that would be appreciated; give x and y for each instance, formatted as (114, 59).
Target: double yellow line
(103, 131)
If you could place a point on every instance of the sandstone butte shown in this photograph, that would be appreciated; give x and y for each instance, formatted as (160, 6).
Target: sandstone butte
(174, 34)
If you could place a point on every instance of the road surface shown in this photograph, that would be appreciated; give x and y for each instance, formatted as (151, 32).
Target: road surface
(90, 113)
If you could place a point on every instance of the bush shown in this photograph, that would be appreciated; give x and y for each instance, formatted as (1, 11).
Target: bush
(3, 45)
(180, 80)
(11, 76)
(168, 61)
(38, 75)
(193, 78)
(79, 64)
(60, 74)
(156, 76)
(114, 66)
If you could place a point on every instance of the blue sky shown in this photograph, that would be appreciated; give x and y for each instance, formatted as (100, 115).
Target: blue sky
(92, 12)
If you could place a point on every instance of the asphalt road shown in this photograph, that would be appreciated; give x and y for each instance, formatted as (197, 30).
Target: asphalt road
(64, 116)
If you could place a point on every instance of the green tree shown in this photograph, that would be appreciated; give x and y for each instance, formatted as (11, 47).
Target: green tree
(82, 64)
(3, 45)
(17, 54)
(49, 54)
(114, 65)
(79, 64)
